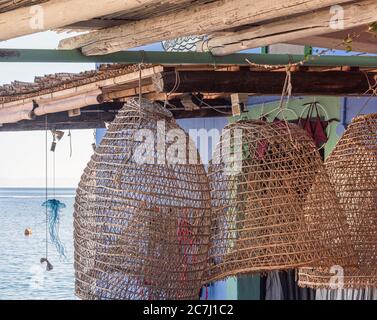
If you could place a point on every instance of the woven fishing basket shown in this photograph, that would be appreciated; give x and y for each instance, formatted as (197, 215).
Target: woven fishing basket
(142, 212)
(274, 207)
(352, 168)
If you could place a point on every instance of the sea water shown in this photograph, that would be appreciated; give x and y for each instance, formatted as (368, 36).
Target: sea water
(21, 274)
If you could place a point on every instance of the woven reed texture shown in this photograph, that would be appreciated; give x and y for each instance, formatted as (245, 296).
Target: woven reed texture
(280, 211)
(141, 230)
(19, 90)
(352, 168)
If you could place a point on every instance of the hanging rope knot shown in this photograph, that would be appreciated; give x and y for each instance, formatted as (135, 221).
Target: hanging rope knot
(289, 86)
(140, 79)
(286, 94)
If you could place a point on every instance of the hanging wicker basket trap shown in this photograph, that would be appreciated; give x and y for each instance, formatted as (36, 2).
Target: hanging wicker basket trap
(273, 207)
(141, 225)
(352, 168)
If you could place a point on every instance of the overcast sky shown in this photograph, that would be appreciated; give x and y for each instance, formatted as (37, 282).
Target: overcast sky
(22, 155)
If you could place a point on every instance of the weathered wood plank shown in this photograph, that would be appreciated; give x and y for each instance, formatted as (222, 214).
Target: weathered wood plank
(327, 41)
(197, 19)
(334, 83)
(298, 27)
(59, 13)
(91, 117)
(94, 117)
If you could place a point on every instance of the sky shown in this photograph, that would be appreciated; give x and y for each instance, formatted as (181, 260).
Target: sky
(22, 154)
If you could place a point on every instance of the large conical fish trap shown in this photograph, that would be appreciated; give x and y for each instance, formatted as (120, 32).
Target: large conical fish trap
(142, 212)
(352, 168)
(273, 206)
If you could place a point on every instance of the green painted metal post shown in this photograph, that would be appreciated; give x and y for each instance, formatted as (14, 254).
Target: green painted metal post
(185, 58)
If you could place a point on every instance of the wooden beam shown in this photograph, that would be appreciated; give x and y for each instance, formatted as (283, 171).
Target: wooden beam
(119, 94)
(93, 117)
(287, 30)
(196, 19)
(55, 14)
(90, 118)
(325, 41)
(334, 83)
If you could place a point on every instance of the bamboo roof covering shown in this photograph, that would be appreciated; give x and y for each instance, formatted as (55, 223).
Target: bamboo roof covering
(42, 85)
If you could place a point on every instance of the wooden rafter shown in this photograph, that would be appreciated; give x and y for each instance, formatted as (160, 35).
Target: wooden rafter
(288, 30)
(333, 83)
(362, 40)
(196, 19)
(98, 115)
(55, 14)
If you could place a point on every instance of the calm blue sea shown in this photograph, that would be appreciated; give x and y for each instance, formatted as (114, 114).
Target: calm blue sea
(21, 274)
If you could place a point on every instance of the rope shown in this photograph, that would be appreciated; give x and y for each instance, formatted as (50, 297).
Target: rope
(140, 87)
(49, 266)
(287, 89)
(211, 107)
(70, 143)
(46, 150)
(175, 88)
(287, 93)
(372, 89)
(54, 175)
(176, 84)
(291, 63)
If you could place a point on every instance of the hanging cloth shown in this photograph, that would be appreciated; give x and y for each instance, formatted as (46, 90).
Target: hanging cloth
(320, 136)
(347, 294)
(314, 125)
(283, 285)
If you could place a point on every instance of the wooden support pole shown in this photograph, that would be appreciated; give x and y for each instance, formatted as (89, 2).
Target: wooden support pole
(334, 83)
(196, 19)
(59, 13)
(286, 30)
